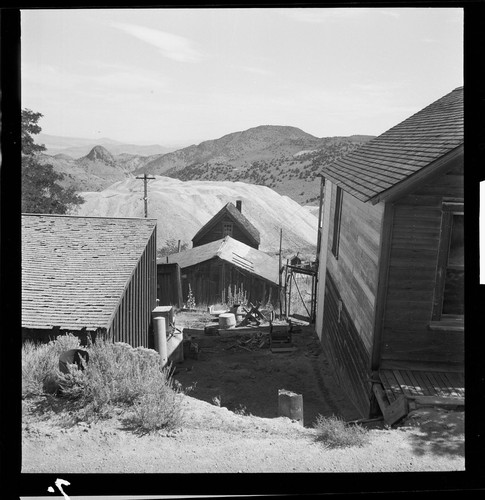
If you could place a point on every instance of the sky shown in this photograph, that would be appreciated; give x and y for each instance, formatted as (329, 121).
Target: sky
(176, 77)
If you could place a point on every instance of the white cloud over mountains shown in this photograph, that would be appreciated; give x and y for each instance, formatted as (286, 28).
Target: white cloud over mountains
(174, 47)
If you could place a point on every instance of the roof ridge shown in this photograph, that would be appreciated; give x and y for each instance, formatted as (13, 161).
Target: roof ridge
(88, 216)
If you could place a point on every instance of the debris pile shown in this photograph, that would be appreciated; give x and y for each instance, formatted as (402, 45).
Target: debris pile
(257, 340)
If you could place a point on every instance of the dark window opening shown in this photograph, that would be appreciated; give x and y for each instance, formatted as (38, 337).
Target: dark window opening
(449, 303)
(336, 222)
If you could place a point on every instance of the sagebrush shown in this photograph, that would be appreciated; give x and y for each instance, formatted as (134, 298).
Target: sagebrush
(334, 432)
(116, 375)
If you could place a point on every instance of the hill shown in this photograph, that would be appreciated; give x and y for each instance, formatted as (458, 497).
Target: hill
(182, 208)
(95, 171)
(286, 159)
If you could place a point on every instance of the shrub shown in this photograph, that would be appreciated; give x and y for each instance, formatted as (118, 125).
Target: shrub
(190, 299)
(336, 433)
(40, 363)
(116, 374)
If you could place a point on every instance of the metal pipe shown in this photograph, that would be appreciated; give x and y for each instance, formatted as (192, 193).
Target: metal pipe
(160, 331)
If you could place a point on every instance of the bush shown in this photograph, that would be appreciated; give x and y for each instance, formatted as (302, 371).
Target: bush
(116, 375)
(40, 363)
(336, 433)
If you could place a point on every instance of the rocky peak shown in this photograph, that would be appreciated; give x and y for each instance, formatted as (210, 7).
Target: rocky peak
(99, 153)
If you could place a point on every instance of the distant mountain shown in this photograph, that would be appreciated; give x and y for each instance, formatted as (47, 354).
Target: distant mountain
(93, 172)
(76, 147)
(286, 159)
(182, 208)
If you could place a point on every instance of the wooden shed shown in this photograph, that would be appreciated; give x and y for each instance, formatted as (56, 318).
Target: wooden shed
(390, 307)
(87, 275)
(229, 221)
(211, 268)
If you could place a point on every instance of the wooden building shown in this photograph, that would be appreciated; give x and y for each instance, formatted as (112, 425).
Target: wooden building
(211, 268)
(390, 293)
(88, 275)
(229, 221)
(169, 285)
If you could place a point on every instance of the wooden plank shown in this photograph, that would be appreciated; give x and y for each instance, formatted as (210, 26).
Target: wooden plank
(416, 384)
(422, 383)
(457, 382)
(393, 412)
(390, 385)
(434, 383)
(409, 382)
(439, 401)
(456, 391)
(445, 385)
(402, 383)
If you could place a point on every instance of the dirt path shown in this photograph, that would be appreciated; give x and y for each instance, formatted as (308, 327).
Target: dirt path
(214, 439)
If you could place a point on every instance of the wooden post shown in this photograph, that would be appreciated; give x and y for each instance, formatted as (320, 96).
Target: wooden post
(279, 272)
(290, 405)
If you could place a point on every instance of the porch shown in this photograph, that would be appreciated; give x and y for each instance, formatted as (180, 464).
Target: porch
(423, 388)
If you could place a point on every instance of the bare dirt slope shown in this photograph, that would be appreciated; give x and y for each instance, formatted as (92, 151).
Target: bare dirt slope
(215, 439)
(182, 208)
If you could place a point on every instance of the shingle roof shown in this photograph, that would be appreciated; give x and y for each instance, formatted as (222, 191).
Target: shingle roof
(403, 150)
(75, 269)
(233, 251)
(237, 216)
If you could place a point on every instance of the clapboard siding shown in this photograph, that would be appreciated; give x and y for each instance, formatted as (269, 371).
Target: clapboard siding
(209, 282)
(407, 339)
(132, 318)
(355, 271)
(347, 354)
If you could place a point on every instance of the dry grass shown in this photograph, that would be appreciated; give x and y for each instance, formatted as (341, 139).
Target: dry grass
(336, 433)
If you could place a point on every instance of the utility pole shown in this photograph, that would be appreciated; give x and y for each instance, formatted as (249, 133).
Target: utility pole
(145, 179)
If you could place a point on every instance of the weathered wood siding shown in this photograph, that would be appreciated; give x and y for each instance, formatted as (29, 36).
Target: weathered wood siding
(345, 350)
(350, 289)
(209, 279)
(355, 271)
(169, 285)
(214, 233)
(406, 338)
(131, 322)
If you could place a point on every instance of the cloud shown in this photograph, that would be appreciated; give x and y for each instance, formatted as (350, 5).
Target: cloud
(172, 46)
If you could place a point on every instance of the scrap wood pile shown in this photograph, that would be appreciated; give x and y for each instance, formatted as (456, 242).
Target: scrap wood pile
(257, 340)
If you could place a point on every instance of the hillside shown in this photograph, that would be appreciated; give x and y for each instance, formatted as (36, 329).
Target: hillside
(286, 159)
(182, 208)
(95, 171)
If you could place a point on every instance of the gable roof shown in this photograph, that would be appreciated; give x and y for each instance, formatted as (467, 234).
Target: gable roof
(229, 209)
(75, 269)
(233, 251)
(404, 150)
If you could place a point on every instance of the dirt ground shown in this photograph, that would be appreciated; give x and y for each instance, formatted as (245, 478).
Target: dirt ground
(246, 379)
(244, 433)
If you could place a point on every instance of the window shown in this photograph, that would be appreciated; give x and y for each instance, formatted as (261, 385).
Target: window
(449, 293)
(226, 229)
(336, 222)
